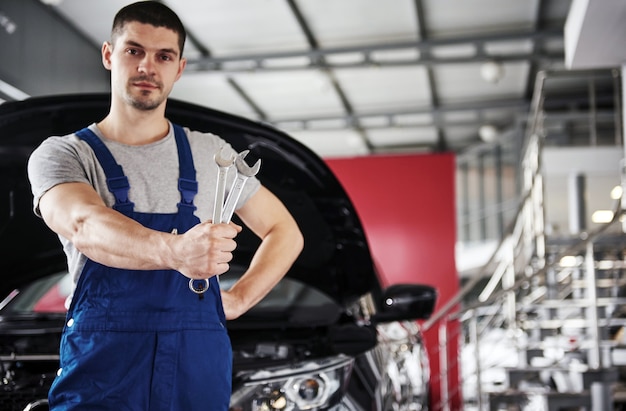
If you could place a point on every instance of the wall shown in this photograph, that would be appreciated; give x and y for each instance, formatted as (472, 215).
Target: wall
(601, 167)
(40, 55)
(407, 206)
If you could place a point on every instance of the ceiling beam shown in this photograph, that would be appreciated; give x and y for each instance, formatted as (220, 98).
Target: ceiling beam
(422, 33)
(437, 114)
(317, 57)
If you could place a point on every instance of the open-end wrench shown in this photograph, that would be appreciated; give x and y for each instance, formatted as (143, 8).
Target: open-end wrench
(243, 173)
(224, 161)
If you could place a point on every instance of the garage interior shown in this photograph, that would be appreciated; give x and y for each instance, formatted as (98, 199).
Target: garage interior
(528, 95)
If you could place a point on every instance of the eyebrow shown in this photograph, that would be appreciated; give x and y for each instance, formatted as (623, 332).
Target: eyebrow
(135, 44)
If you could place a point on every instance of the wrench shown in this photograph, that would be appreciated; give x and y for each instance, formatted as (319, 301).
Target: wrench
(243, 173)
(224, 161)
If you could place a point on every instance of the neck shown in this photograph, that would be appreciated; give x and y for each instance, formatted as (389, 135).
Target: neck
(134, 127)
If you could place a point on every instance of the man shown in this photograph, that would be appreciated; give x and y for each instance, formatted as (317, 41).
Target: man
(122, 196)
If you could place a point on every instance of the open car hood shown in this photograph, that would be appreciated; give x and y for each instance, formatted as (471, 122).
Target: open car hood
(336, 258)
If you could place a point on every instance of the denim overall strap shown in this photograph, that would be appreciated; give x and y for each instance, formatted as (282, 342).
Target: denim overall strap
(116, 180)
(187, 184)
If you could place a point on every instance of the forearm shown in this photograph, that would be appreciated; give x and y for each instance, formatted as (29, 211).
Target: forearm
(76, 212)
(112, 239)
(274, 257)
(104, 235)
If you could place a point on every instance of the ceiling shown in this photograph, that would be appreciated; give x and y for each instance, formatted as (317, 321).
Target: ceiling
(360, 77)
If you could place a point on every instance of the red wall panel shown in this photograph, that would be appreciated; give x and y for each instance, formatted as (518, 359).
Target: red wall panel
(407, 207)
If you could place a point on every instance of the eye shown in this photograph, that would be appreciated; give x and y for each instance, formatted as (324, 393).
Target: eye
(132, 52)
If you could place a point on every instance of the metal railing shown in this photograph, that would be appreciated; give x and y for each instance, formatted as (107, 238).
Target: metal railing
(517, 273)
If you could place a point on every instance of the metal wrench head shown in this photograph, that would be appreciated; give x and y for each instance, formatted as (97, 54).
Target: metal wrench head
(243, 168)
(223, 158)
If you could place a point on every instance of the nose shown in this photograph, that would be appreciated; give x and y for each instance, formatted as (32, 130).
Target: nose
(146, 65)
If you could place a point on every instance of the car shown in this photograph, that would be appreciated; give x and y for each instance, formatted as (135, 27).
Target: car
(328, 336)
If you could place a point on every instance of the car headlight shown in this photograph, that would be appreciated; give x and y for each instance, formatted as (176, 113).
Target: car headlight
(303, 386)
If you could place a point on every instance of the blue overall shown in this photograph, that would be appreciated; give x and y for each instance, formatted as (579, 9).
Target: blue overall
(141, 340)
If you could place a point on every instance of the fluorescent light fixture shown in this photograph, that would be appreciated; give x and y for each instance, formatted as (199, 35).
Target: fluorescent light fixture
(602, 216)
(12, 92)
(616, 192)
(605, 265)
(570, 261)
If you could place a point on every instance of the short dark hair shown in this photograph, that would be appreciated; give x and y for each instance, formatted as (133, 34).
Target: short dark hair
(149, 12)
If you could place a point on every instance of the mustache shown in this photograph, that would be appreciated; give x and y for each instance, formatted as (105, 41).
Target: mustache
(146, 79)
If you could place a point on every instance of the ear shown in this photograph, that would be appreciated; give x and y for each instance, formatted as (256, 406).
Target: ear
(107, 50)
(181, 67)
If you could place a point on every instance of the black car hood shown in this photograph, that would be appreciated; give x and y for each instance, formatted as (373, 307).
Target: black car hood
(336, 258)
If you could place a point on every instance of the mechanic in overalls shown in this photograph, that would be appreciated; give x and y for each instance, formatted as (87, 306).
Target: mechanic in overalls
(131, 198)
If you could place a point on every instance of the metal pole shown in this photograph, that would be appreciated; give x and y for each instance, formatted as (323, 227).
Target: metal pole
(600, 390)
(577, 206)
(474, 340)
(595, 357)
(443, 365)
(482, 201)
(624, 143)
(593, 128)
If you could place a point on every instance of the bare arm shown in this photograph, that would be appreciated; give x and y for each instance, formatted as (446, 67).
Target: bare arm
(281, 244)
(76, 212)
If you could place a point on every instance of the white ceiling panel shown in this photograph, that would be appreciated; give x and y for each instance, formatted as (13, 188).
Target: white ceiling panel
(461, 134)
(353, 22)
(211, 90)
(419, 119)
(454, 18)
(82, 13)
(333, 143)
(459, 83)
(402, 136)
(284, 95)
(460, 116)
(502, 48)
(229, 27)
(385, 88)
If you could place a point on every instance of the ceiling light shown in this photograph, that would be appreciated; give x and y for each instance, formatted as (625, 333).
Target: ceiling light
(616, 192)
(570, 261)
(492, 71)
(602, 216)
(488, 133)
(12, 92)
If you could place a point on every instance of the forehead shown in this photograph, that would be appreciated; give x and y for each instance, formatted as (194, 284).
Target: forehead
(148, 36)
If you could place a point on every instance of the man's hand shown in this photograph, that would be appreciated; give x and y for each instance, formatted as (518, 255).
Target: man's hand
(232, 305)
(205, 250)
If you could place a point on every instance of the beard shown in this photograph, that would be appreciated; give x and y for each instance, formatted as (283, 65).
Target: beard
(144, 100)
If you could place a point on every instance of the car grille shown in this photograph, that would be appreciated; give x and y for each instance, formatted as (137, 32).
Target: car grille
(16, 400)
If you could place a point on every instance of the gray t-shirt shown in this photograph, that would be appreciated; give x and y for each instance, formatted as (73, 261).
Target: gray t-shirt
(152, 172)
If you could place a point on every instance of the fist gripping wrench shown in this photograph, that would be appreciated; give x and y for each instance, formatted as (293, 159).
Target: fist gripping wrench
(224, 161)
(223, 212)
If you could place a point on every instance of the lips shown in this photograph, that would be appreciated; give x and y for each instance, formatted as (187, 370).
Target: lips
(146, 85)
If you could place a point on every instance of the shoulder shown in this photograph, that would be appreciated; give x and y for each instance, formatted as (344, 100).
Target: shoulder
(59, 159)
(196, 136)
(59, 148)
(206, 142)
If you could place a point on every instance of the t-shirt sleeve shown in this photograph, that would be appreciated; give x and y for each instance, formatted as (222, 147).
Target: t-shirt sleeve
(54, 162)
(206, 146)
